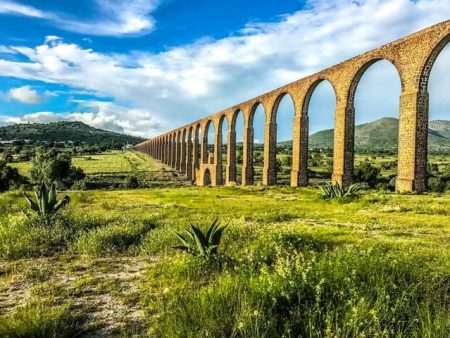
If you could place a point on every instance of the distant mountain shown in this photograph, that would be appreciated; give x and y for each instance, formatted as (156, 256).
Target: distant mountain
(65, 131)
(383, 134)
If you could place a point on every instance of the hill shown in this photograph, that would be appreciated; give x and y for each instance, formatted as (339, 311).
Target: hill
(383, 134)
(66, 131)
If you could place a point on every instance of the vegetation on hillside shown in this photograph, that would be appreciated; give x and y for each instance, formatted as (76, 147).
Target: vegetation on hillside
(381, 136)
(75, 132)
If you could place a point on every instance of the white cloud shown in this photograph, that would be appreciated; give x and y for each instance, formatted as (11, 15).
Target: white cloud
(6, 50)
(188, 82)
(53, 40)
(24, 94)
(98, 114)
(113, 17)
(11, 7)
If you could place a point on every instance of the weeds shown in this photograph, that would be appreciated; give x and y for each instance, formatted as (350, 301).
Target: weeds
(41, 320)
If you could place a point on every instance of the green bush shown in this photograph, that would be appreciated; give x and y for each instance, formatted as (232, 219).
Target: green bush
(365, 172)
(131, 182)
(9, 177)
(7, 156)
(436, 184)
(51, 165)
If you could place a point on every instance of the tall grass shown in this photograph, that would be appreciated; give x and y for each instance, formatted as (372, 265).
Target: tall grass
(41, 320)
(348, 291)
(119, 237)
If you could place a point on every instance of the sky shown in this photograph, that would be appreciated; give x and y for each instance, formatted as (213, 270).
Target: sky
(143, 67)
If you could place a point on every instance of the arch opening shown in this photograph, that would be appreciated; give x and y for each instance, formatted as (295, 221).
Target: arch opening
(376, 105)
(223, 146)
(438, 148)
(284, 117)
(197, 150)
(238, 127)
(320, 106)
(257, 122)
(207, 178)
(208, 143)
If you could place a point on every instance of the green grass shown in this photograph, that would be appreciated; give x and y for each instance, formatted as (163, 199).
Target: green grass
(109, 162)
(295, 265)
(41, 320)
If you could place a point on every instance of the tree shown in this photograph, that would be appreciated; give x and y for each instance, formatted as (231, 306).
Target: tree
(9, 177)
(367, 173)
(8, 156)
(51, 165)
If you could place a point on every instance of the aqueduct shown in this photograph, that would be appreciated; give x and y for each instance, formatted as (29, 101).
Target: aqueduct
(186, 148)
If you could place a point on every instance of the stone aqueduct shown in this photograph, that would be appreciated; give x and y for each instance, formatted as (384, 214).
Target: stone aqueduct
(412, 56)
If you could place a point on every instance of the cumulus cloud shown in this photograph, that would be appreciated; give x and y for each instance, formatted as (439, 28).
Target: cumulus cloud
(187, 82)
(113, 17)
(98, 114)
(24, 94)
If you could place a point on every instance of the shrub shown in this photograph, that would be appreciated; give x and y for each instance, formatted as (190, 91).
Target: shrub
(436, 184)
(365, 172)
(51, 165)
(8, 156)
(9, 177)
(80, 185)
(131, 182)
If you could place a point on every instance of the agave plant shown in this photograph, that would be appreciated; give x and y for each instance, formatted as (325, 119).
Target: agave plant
(336, 191)
(46, 205)
(199, 244)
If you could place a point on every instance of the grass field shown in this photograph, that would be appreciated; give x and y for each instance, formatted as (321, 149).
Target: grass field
(112, 167)
(292, 264)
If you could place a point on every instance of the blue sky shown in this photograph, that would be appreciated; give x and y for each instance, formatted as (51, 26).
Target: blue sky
(147, 66)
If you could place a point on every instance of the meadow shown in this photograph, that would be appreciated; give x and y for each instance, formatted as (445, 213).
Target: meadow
(291, 264)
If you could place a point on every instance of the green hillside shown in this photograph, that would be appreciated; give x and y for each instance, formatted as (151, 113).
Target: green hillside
(383, 134)
(64, 132)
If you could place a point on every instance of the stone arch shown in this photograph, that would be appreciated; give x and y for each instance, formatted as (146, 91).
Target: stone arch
(183, 150)
(207, 155)
(221, 169)
(255, 162)
(237, 151)
(189, 151)
(196, 147)
(360, 73)
(434, 85)
(429, 62)
(173, 149)
(310, 92)
(280, 97)
(281, 156)
(321, 156)
(362, 101)
(178, 149)
(207, 178)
